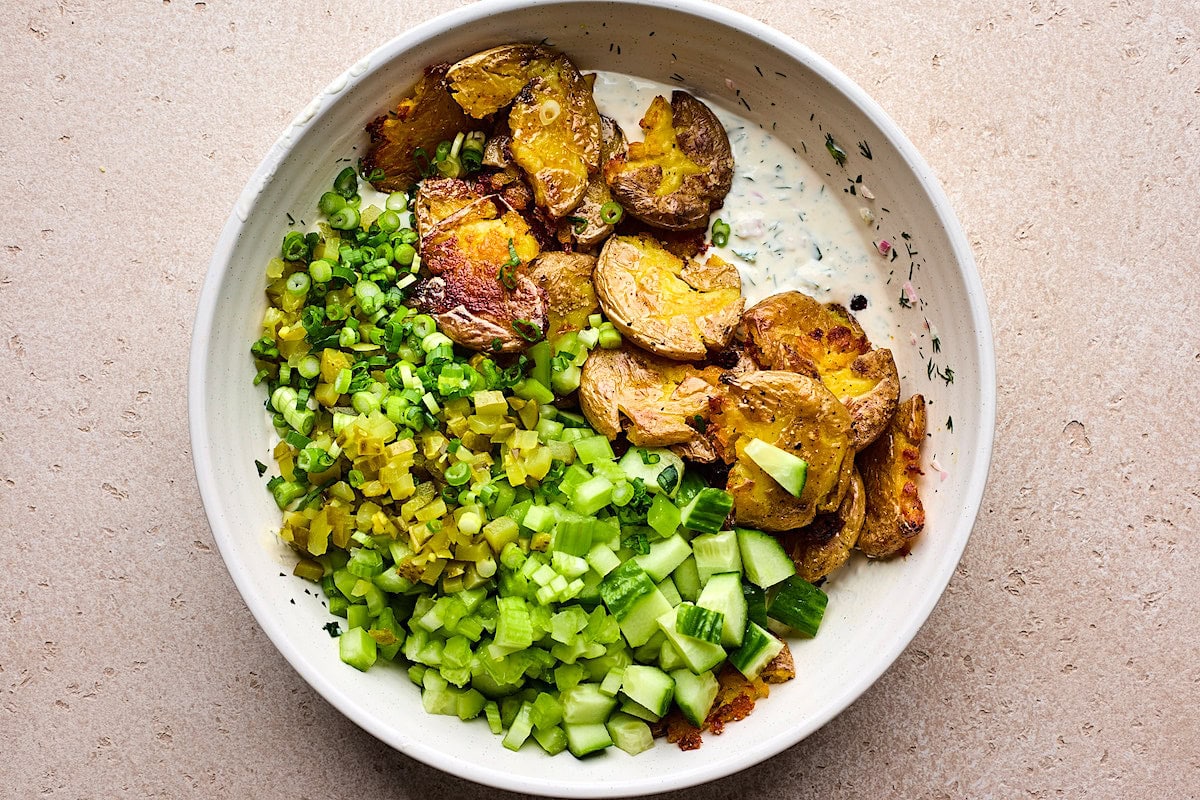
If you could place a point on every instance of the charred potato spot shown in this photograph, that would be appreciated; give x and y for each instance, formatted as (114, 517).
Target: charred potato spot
(555, 130)
(671, 306)
(465, 239)
(792, 412)
(825, 545)
(781, 668)
(566, 278)
(484, 83)
(655, 401)
(792, 331)
(890, 470)
(682, 170)
(428, 116)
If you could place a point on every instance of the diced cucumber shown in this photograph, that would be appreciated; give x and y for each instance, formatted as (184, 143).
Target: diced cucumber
(642, 620)
(539, 519)
(716, 553)
(624, 587)
(702, 623)
(664, 556)
(649, 651)
(592, 495)
(696, 653)
(586, 738)
(612, 682)
(602, 559)
(649, 686)
(687, 578)
(799, 605)
(638, 710)
(636, 464)
(586, 703)
(723, 593)
(667, 587)
(669, 658)
(708, 510)
(756, 603)
(763, 558)
(694, 694)
(630, 733)
(787, 469)
(757, 650)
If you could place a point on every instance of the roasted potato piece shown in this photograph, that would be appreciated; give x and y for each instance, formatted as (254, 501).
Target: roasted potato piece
(566, 278)
(674, 307)
(890, 468)
(681, 172)
(781, 668)
(583, 225)
(795, 413)
(825, 545)
(792, 331)
(486, 82)
(422, 120)
(478, 296)
(655, 401)
(555, 130)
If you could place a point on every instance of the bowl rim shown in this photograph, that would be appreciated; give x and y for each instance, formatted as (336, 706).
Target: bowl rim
(217, 274)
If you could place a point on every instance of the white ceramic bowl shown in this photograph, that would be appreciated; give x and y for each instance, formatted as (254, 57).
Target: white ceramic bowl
(875, 609)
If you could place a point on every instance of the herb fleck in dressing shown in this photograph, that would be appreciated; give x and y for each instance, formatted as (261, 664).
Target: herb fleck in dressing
(788, 230)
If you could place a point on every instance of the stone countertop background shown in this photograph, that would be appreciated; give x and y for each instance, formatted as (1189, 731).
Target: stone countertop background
(1062, 661)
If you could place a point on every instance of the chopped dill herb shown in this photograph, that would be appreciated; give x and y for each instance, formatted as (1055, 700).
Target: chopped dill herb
(261, 467)
(333, 629)
(746, 255)
(950, 424)
(865, 149)
(904, 303)
(937, 345)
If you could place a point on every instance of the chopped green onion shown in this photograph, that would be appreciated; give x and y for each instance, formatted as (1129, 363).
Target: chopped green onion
(346, 219)
(458, 473)
(298, 283)
(388, 221)
(331, 203)
(321, 270)
(720, 233)
(346, 183)
(611, 213)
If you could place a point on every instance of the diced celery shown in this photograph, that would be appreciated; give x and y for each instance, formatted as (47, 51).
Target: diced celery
(357, 649)
(592, 495)
(593, 449)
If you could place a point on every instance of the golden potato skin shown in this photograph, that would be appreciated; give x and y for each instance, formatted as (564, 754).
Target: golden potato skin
(675, 307)
(825, 545)
(792, 331)
(556, 137)
(655, 401)
(566, 278)
(465, 239)
(795, 413)
(486, 82)
(681, 172)
(428, 116)
(584, 226)
(890, 469)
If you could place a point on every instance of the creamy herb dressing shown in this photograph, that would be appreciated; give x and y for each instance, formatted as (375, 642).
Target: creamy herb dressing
(790, 228)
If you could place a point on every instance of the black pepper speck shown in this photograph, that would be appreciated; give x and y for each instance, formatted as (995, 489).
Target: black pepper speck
(858, 303)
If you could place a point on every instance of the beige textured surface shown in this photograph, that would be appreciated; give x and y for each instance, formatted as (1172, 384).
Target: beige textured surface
(1063, 659)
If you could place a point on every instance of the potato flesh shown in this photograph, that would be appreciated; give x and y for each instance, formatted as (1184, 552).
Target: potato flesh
(825, 545)
(655, 401)
(674, 307)
(571, 297)
(891, 468)
(465, 239)
(555, 130)
(485, 82)
(797, 414)
(428, 116)
(660, 147)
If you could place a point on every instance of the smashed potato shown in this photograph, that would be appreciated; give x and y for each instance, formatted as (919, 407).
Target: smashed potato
(428, 116)
(681, 172)
(655, 401)
(477, 295)
(584, 225)
(566, 278)
(486, 82)
(675, 307)
(555, 131)
(797, 414)
(792, 331)
(890, 469)
(825, 545)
